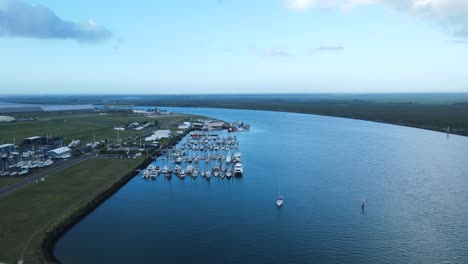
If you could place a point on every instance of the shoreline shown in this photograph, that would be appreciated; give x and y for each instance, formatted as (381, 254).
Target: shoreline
(336, 116)
(59, 229)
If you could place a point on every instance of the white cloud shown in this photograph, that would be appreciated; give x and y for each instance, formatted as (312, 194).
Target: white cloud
(452, 14)
(271, 52)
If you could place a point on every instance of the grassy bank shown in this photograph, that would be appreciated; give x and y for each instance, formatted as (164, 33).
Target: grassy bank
(31, 210)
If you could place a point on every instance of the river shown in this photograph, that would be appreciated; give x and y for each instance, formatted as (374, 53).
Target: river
(414, 180)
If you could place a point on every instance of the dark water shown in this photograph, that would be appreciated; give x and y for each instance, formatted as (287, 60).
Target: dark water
(415, 181)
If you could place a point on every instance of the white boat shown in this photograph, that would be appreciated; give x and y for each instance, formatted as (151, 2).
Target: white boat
(23, 172)
(208, 174)
(177, 169)
(237, 157)
(189, 169)
(228, 174)
(178, 160)
(182, 174)
(145, 174)
(48, 162)
(14, 173)
(228, 158)
(165, 169)
(5, 173)
(238, 169)
(280, 201)
(195, 173)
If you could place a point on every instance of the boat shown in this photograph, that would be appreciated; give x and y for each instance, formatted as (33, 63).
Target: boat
(237, 157)
(5, 173)
(165, 169)
(182, 174)
(228, 158)
(23, 172)
(14, 173)
(157, 170)
(177, 169)
(48, 162)
(238, 169)
(195, 173)
(280, 201)
(208, 174)
(145, 174)
(189, 169)
(228, 174)
(178, 160)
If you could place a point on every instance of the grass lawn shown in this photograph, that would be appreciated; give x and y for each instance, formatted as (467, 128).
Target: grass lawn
(4, 182)
(27, 213)
(83, 125)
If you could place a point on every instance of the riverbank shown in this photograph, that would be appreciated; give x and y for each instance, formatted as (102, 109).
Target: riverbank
(37, 215)
(55, 232)
(429, 111)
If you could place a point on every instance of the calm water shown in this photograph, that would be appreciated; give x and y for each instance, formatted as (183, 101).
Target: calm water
(415, 181)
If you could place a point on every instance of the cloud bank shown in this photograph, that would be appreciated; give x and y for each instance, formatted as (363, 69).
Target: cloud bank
(21, 19)
(451, 14)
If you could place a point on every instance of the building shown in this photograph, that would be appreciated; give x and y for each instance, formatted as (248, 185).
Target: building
(158, 135)
(32, 141)
(7, 119)
(7, 149)
(42, 141)
(60, 153)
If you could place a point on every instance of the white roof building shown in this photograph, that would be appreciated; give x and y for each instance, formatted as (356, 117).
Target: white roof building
(7, 119)
(60, 153)
(158, 135)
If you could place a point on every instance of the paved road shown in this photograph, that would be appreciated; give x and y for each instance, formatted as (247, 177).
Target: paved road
(63, 165)
(55, 168)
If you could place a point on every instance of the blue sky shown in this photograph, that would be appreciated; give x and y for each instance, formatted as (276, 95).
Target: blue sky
(233, 46)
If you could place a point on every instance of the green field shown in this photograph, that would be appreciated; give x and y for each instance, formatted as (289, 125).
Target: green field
(27, 213)
(83, 125)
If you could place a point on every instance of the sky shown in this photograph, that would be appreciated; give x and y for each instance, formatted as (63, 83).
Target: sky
(233, 46)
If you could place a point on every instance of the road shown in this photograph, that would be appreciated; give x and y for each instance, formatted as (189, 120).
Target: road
(56, 168)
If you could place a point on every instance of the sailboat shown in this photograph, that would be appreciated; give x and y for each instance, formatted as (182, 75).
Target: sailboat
(280, 200)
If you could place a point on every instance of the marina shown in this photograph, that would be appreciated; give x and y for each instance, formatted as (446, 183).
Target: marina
(203, 154)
